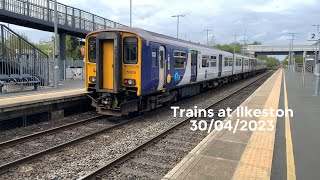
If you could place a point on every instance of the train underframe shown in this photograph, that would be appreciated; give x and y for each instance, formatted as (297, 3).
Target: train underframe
(127, 102)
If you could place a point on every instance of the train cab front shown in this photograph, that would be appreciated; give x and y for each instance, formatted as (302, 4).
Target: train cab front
(117, 80)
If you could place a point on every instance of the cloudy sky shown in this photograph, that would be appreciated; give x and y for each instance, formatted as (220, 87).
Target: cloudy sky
(268, 21)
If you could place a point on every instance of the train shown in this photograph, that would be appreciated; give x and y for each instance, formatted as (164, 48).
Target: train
(130, 70)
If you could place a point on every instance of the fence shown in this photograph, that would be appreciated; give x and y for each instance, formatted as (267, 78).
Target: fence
(43, 69)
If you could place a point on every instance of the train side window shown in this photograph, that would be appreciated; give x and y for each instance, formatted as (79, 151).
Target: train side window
(230, 62)
(154, 57)
(213, 63)
(226, 62)
(130, 47)
(205, 62)
(161, 59)
(92, 49)
(240, 63)
(180, 59)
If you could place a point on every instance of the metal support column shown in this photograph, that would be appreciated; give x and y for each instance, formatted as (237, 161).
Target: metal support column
(28, 8)
(48, 12)
(73, 19)
(93, 28)
(2, 42)
(63, 53)
(3, 4)
(66, 16)
(80, 19)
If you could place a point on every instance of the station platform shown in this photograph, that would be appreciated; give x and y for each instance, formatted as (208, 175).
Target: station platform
(29, 102)
(289, 151)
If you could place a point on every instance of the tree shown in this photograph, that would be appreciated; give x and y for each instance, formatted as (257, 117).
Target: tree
(238, 47)
(285, 61)
(46, 48)
(271, 61)
(256, 43)
(230, 47)
(73, 48)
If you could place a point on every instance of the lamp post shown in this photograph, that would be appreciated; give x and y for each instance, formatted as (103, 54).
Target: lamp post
(317, 52)
(234, 44)
(317, 66)
(130, 13)
(207, 30)
(291, 62)
(178, 18)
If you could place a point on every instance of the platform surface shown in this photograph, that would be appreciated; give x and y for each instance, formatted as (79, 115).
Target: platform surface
(68, 88)
(240, 155)
(305, 129)
(291, 151)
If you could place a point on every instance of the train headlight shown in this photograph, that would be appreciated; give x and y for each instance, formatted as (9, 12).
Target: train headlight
(92, 79)
(130, 82)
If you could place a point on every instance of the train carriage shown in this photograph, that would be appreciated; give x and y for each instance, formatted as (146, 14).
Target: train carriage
(131, 70)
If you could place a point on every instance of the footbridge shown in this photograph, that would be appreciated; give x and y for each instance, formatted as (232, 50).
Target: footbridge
(39, 15)
(280, 49)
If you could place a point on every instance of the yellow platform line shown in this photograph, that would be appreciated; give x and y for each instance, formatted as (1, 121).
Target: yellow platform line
(291, 170)
(256, 161)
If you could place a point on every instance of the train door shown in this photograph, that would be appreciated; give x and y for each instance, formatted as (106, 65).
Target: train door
(233, 64)
(194, 60)
(162, 64)
(220, 65)
(242, 64)
(108, 46)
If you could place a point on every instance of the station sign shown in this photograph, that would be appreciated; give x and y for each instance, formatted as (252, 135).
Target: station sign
(313, 36)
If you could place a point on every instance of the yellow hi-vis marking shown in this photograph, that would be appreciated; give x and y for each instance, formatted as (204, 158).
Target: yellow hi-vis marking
(291, 170)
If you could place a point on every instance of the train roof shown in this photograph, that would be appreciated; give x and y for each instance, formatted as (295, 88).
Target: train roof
(156, 37)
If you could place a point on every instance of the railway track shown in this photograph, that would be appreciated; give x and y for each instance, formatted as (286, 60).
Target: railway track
(155, 157)
(110, 144)
(33, 146)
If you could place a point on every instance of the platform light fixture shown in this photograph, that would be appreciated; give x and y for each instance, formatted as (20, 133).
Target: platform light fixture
(178, 18)
(208, 30)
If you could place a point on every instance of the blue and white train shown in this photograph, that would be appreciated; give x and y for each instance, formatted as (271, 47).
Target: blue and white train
(133, 70)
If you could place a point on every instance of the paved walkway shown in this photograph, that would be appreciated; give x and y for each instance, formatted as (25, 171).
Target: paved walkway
(68, 88)
(240, 155)
(304, 161)
(289, 152)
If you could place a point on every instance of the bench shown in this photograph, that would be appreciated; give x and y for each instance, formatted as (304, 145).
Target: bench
(16, 79)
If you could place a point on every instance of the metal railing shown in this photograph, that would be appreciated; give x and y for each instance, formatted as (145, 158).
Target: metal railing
(13, 45)
(309, 66)
(277, 48)
(67, 15)
(19, 66)
(43, 69)
(18, 56)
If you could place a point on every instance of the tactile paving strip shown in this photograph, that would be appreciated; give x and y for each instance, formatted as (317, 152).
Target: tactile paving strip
(256, 160)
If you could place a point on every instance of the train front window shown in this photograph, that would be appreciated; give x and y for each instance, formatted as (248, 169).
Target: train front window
(92, 49)
(130, 50)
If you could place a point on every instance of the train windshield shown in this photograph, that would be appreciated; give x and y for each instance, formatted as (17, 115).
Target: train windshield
(130, 48)
(92, 49)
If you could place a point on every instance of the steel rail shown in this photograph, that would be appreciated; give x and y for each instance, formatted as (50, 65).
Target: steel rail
(4, 168)
(45, 132)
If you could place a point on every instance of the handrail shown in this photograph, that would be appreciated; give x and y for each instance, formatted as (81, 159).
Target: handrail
(70, 16)
(23, 39)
